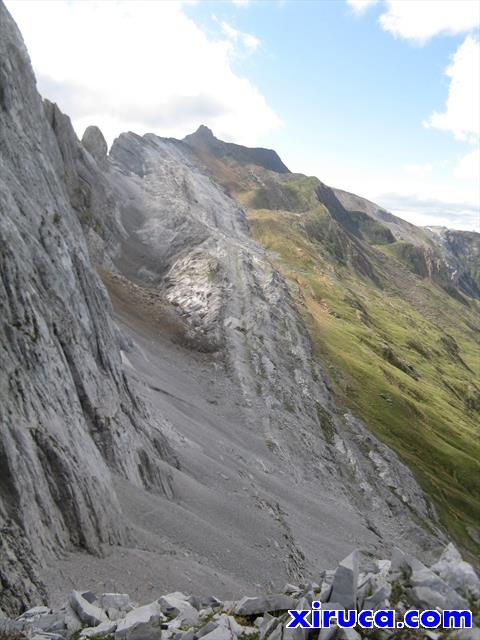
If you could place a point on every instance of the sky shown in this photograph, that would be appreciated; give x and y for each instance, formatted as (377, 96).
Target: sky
(377, 97)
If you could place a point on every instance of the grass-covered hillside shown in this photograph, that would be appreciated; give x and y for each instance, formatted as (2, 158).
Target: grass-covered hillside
(402, 353)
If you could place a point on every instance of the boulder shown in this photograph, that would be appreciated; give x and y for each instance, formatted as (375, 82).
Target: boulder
(176, 606)
(219, 633)
(345, 580)
(143, 623)
(265, 625)
(51, 622)
(457, 573)
(378, 598)
(425, 578)
(88, 613)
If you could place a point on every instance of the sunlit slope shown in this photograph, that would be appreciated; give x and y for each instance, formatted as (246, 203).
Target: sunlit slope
(402, 353)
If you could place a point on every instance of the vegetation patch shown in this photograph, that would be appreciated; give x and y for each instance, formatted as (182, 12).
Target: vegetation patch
(387, 365)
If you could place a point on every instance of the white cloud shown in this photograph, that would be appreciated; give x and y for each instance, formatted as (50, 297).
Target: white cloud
(420, 20)
(361, 6)
(250, 42)
(469, 167)
(461, 115)
(140, 66)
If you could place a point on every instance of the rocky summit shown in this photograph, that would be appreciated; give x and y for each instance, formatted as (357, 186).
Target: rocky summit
(217, 377)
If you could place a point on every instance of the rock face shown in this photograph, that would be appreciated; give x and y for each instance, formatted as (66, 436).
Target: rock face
(69, 415)
(176, 616)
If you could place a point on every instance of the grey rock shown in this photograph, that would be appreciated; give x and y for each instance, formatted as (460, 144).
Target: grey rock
(265, 625)
(142, 623)
(52, 623)
(119, 601)
(87, 612)
(425, 578)
(35, 612)
(403, 564)
(219, 633)
(89, 596)
(330, 632)
(104, 629)
(427, 598)
(290, 589)
(72, 621)
(378, 598)
(257, 605)
(457, 573)
(344, 587)
(175, 605)
(210, 626)
(95, 144)
(208, 602)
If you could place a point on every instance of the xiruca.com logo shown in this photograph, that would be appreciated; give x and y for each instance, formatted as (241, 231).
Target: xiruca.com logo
(319, 617)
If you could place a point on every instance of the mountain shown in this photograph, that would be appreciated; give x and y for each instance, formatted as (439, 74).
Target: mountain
(215, 374)
(392, 310)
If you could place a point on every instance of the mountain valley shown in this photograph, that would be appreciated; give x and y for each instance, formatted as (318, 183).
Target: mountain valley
(218, 376)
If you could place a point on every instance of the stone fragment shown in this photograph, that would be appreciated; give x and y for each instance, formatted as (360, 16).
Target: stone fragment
(428, 579)
(87, 612)
(175, 606)
(344, 587)
(143, 623)
(102, 630)
(378, 597)
(51, 622)
(457, 573)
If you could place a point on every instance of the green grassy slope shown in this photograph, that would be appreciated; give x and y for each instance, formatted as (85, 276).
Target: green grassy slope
(402, 354)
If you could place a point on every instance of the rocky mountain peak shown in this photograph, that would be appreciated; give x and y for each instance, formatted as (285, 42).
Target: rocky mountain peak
(204, 141)
(94, 142)
(204, 132)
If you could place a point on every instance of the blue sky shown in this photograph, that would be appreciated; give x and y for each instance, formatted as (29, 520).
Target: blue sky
(343, 90)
